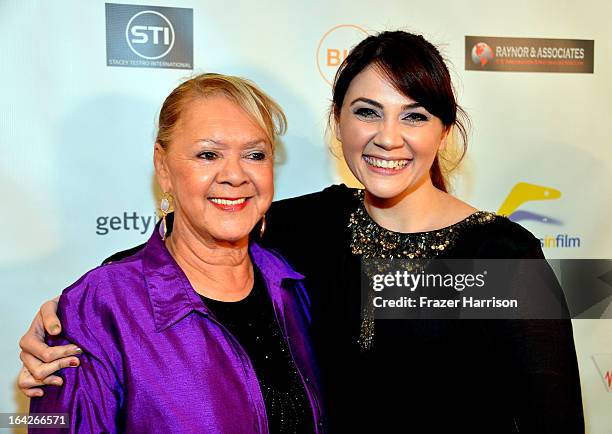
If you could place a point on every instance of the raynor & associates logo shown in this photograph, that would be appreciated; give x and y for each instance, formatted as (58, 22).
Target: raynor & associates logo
(482, 54)
(149, 36)
(486, 53)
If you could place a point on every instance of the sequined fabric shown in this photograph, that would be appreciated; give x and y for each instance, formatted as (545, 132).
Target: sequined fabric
(252, 322)
(369, 240)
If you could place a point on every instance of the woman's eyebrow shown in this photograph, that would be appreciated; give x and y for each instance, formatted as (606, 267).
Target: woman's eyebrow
(250, 143)
(379, 105)
(367, 101)
(255, 142)
(412, 106)
(210, 141)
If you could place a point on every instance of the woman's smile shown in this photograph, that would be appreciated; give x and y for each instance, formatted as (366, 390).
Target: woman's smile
(385, 166)
(229, 204)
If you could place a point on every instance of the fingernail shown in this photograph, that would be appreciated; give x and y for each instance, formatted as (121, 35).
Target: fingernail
(78, 351)
(55, 328)
(74, 362)
(57, 382)
(38, 394)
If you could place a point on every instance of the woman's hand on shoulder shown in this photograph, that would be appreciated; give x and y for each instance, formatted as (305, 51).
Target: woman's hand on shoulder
(40, 360)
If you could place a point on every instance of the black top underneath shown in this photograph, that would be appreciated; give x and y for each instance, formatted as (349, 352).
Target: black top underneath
(253, 323)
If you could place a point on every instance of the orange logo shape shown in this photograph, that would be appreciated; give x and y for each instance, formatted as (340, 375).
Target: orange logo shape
(334, 46)
(604, 366)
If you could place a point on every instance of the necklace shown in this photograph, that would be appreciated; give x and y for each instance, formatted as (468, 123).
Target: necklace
(369, 240)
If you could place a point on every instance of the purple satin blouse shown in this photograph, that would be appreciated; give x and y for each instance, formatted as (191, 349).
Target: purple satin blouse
(156, 360)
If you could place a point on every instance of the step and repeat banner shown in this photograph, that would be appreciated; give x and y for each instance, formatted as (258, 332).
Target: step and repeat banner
(82, 84)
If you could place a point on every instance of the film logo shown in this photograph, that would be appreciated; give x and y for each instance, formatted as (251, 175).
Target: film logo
(523, 192)
(486, 53)
(149, 37)
(334, 46)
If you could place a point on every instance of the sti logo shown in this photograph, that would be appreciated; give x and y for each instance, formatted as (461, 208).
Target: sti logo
(140, 35)
(149, 36)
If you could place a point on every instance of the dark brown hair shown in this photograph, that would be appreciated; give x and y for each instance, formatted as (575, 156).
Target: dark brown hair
(416, 69)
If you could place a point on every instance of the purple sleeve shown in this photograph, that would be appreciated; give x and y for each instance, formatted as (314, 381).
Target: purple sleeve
(92, 393)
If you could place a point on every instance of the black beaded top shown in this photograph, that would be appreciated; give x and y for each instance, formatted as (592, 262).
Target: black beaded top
(252, 322)
(370, 240)
(422, 376)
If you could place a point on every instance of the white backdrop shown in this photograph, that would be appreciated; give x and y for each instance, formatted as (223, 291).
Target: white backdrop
(76, 135)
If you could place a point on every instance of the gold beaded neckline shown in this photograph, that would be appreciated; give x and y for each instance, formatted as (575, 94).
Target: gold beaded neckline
(370, 240)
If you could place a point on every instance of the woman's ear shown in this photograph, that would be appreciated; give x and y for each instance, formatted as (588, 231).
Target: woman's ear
(444, 138)
(335, 124)
(160, 161)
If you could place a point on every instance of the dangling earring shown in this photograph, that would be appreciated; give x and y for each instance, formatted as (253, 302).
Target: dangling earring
(164, 207)
(262, 228)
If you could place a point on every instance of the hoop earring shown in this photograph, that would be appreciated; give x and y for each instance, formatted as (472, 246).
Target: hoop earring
(164, 208)
(262, 228)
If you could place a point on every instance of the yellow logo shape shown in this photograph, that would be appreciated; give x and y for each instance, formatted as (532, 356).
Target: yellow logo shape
(524, 192)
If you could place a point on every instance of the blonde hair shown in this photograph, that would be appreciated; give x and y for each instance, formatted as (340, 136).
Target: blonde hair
(261, 107)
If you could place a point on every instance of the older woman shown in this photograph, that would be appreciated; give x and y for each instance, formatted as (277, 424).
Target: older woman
(202, 330)
(394, 111)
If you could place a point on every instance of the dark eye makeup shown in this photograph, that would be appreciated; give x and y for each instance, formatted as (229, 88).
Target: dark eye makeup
(208, 155)
(257, 155)
(369, 113)
(416, 117)
(365, 112)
